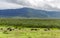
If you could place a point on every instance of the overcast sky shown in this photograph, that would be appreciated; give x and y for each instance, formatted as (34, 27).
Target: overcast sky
(36, 4)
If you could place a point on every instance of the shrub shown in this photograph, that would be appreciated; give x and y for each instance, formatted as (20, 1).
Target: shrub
(1, 28)
(5, 32)
(29, 37)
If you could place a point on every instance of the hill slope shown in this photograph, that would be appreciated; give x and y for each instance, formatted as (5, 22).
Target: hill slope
(29, 12)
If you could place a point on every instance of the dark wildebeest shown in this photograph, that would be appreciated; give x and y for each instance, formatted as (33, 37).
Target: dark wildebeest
(9, 29)
(47, 29)
(34, 29)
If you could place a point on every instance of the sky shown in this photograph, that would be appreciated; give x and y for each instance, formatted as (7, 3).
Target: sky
(35, 4)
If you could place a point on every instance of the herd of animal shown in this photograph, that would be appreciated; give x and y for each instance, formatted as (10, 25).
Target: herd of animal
(32, 29)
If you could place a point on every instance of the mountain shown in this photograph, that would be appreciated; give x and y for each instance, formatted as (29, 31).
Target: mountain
(29, 13)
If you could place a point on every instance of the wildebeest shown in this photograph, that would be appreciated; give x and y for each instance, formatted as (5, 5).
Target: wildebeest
(34, 29)
(9, 29)
(47, 29)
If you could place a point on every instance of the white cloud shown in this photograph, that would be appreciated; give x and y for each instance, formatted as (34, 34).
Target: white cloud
(41, 4)
(36, 4)
(6, 5)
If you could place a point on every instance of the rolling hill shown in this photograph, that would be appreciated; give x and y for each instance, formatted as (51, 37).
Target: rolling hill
(29, 13)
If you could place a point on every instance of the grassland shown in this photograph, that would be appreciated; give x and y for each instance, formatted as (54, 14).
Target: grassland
(29, 28)
(32, 23)
(27, 33)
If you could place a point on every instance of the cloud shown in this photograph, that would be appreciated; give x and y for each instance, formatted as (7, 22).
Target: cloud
(36, 4)
(41, 4)
(6, 5)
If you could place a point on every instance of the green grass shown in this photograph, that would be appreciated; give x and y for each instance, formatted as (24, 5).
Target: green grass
(27, 33)
(32, 23)
(26, 25)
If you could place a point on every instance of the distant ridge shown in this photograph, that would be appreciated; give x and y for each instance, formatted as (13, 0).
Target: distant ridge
(29, 13)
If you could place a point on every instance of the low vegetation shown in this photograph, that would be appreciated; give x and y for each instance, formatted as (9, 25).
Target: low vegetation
(30, 33)
(32, 23)
(29, 28)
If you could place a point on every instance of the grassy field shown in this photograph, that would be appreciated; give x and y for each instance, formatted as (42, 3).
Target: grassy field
(32, 23)
(29, 28)
(28, 33)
